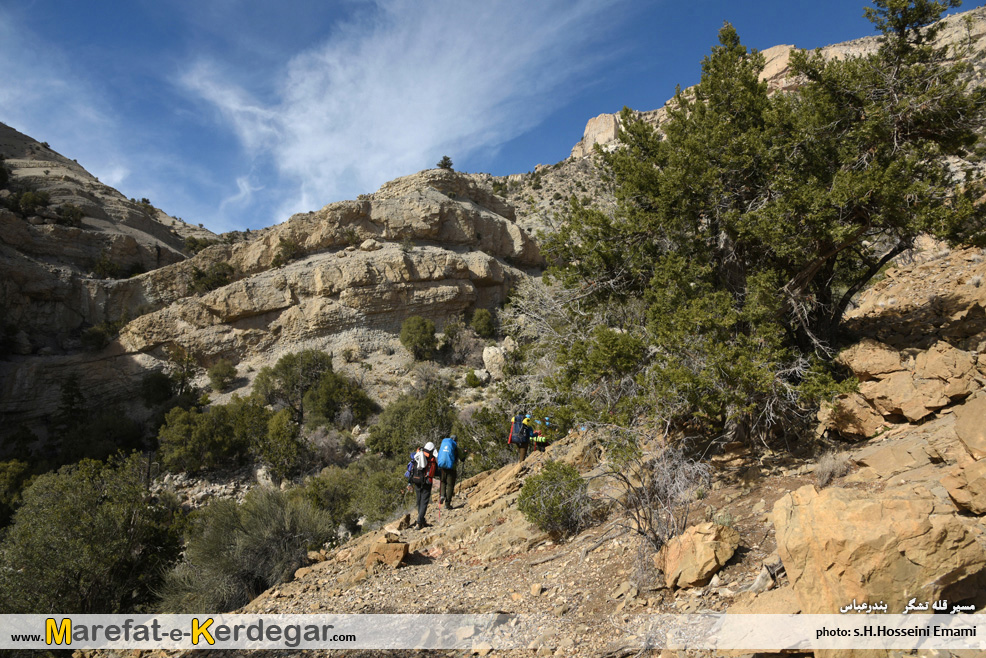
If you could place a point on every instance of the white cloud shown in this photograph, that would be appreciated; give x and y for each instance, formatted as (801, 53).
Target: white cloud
(392, 91)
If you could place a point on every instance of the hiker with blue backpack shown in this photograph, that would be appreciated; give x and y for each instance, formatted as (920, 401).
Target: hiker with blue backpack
(448, 458)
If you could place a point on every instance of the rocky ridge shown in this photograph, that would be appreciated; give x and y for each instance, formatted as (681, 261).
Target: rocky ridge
(49, 291)
(965, 29)
(437, 244)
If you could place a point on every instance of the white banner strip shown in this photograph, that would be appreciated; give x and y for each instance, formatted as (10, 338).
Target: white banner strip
(701, 631)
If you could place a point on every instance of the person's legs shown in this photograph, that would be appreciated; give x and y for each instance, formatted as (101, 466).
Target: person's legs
(522, 452)
(448, 486)
(424, 495)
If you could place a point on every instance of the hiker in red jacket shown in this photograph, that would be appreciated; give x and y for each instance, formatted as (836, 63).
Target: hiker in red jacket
(424, 473)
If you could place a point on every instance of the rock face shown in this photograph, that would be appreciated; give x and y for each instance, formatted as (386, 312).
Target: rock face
(46, 257)
(602, 129)
(692, 558)
(839, 545)
(436, 244)
(894, 388)
(966, 485)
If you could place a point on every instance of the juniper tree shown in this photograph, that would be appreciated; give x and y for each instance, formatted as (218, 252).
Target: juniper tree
(747, 224)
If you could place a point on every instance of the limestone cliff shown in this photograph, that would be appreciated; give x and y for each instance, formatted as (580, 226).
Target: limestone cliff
(434, 244)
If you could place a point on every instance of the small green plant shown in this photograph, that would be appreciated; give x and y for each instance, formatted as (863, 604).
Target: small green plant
(351, 236)
(483, 323)
(194, 245)
(221, 375)
(104, 267)
(556, 500)
(215, 276)
(472, 381)
(418, 336)
(69, 215)
(445, 163)
(31, 201)
(287, 251)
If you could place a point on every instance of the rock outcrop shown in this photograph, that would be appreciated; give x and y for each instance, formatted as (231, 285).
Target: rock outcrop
(694, 556)
(838, 545)
(436, 244)
(48, 257)
(896, 387)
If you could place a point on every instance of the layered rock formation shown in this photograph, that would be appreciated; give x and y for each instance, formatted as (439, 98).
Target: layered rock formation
(48, 289)
(434, 244)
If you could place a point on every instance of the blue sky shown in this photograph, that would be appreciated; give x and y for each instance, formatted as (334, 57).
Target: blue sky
(237, 113)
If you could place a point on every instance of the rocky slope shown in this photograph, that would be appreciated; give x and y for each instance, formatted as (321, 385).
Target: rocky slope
(896, 513)
(55, 265)
(436, 244)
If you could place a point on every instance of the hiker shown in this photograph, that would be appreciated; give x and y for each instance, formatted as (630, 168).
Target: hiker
(448, 459)
(540, 436)
(422, 476)
(520, 434)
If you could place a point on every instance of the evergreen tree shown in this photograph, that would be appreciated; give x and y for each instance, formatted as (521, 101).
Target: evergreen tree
(748, 223)
(445, 163)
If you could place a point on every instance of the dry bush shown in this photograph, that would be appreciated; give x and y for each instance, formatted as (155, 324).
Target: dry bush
(831, 465)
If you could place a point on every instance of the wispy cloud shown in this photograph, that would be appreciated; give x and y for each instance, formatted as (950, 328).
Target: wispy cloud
(392, 90)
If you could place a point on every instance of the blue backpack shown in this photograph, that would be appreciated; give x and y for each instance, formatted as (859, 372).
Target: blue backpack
(447, 453)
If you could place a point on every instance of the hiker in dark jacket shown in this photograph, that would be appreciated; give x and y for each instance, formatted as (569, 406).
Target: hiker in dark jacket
(427, 464)
(520, 434)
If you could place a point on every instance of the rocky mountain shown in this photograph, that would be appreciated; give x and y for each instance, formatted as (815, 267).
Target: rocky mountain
(893, 512)
(61, 253)
(436, 244)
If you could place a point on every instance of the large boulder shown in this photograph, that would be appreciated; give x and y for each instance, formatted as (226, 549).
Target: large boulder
(839, 544)
(966, 486)
(871, 359)
(693, 557)
(389, 553)
(851, 415)
(970, 426)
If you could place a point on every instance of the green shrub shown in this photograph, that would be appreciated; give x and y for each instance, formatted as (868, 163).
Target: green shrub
(87, 539)
(418, 336)
(337, 400)
(291, 378)
(334, 491)
(99, 336)
(222, 375)
(483, 323)
(445, 163)
(280, 451)
(14, 475)
(194, 245)
(235, 552)
(412, 420)
(472, 381)
(215, 276)
(70, 215)
(31, 201)
(193, 440)
(104, 267)
(556, 500)
(156, 388)
(287, 251)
